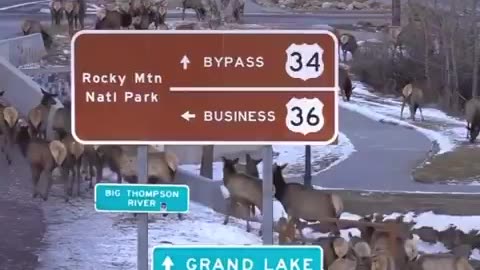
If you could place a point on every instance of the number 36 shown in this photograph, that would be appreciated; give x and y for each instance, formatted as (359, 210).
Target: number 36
(311, 118)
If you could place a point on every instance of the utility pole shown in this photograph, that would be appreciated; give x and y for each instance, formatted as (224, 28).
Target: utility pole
(396, 13)
(307, 178)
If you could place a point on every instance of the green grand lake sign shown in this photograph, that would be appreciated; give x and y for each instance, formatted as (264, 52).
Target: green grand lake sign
(137, 198)
(205, 257)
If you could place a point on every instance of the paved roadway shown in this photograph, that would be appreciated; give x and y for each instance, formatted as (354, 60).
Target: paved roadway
(386, 154)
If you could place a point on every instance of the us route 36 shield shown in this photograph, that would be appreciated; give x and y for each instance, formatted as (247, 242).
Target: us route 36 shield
(305, 115)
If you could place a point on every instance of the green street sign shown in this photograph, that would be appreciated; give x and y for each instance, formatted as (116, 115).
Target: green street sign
(137, 198)
(255, 257)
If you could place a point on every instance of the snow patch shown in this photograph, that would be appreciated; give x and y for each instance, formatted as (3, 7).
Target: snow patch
(439, 222)
(385, 109)
(295, 157)
(77, 237)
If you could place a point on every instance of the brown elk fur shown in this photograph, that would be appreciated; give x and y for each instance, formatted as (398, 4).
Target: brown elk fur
(8, 123)
(433, 261)
(73, 163)
(251, 169)
(242, 188)
(30, 27)
(162, 166)
(472, 115)
(346, 86)
(362, 253)
(286, 231)
(412, 94)
(56, 11)
(305, 203)
(44, 157)
(387, 245)
(329, 255)
(343, 264)
(38, 116)
(75, 12)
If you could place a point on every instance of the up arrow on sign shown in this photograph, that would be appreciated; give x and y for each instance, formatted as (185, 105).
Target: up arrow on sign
(167, 263)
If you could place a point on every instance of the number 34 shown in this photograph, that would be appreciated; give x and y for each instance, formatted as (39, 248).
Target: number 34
(311, 118)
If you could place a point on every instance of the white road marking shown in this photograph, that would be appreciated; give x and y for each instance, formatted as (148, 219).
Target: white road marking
(22, 5)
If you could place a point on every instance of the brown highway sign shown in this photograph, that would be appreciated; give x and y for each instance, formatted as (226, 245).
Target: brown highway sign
(205, 87)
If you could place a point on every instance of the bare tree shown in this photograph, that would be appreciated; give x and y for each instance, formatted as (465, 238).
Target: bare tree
(475, 49)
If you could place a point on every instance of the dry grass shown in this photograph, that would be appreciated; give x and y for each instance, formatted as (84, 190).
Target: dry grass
(460, 165)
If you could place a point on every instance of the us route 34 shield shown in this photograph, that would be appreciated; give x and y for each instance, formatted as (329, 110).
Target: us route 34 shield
(232, 87)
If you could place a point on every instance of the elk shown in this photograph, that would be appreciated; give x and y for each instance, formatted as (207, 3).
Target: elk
(348, 43)
(341, 248)
(162, 167)
(197, 6)
(159, 12)
(56, 11)
(8, 123)
(43, 157)
(61, 121)
(301, 202)
(413, 95)
(387, 245)
(361, 252)
(73, 163)
(286, 231)
(38, 116)
(30, 27)
(112, 20)
(346, 85)
(472, 115)
(433, 261)
(250, 168)
(243, 189)
(75, 11)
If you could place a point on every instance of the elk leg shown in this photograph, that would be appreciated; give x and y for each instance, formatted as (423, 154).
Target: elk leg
(421, 113)
(79, 165)
(468, 130)
(67, 181)
(296, 221)
(180, 216)
(183, 13)
(229, 211)
(401, 110)
(36, 172)
(248, 217)
(49, 183)
(99, 168)
(412, 112)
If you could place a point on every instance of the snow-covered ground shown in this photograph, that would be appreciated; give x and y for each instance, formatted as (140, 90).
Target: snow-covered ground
(79, 238)
(446, 131)
(323, 158)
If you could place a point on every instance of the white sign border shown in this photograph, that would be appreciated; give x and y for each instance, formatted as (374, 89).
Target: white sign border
(140, 185)
(203, 32)
(239, 246)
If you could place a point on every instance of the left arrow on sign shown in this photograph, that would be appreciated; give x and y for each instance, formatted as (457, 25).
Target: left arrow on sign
(167, 263)
(187, 115)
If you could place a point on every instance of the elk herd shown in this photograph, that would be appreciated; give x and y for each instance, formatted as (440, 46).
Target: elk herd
(380, 246)
(71, 158)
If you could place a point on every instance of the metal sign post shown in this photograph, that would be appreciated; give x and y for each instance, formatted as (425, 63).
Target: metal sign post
(142, 219)
(267, 213)
(307, 180)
